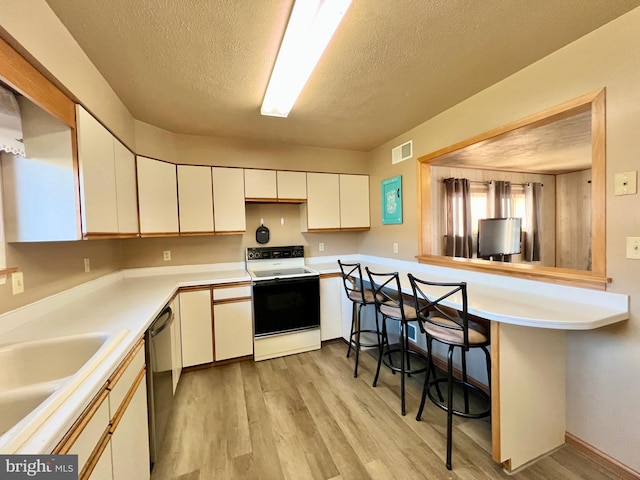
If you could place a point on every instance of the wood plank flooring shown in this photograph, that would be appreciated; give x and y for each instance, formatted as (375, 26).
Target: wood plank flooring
(306, 417)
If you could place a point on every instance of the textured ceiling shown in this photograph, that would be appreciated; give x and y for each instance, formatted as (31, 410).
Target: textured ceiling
(201, 67)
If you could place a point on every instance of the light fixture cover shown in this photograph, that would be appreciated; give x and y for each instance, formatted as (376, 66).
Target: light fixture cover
(311, 26)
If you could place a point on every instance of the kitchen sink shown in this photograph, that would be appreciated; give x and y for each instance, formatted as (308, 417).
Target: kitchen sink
(36, 377)
(38, 361)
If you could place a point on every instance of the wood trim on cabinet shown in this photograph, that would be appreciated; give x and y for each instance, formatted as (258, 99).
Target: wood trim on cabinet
(95, 455)
(105, 236)
(495, 386)
(231, 300)
(330, 275)
(115, 420)
(8, 270)
(260, 200)
(620, 469)
(354, 229)
(292, 200)
(159, 234)
(195, 234)
(194, 288)
(23, 77)
(80, 424)
(230, 232)
(596, 278)
(115, 377)
(232, 285)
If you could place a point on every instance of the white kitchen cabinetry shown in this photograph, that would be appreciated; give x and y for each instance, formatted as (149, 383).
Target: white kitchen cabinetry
(158, 197)
(322, 210)
(126, 189)
(111, 437)
(232, 319)
(260, 185)
(228, 200)
(97, 175)
(195, 199)
(107, 180)
(176, 337)
(330, 307)
(197, 332)
(292, 186)
(354, 202)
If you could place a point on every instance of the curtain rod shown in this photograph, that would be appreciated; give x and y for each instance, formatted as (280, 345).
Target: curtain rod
(478, 182)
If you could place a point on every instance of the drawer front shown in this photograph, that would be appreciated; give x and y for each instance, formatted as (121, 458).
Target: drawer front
(91, 435)
(122, 384)
(231, 292)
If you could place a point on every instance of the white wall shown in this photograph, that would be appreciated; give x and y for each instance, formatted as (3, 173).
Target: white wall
(603, 365)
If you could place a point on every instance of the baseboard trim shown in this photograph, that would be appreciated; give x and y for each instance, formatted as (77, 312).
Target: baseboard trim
(602, 458)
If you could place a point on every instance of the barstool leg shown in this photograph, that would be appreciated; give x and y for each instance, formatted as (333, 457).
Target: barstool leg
(384, 339)
(449, 405)
(402, 364)
(355, 372)
(353, 326)
(465, 390)
(406, 347)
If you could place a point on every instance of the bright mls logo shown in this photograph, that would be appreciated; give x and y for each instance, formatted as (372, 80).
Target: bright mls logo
(50, 467)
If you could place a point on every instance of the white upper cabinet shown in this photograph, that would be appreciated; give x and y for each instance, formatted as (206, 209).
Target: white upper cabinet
(323, 202)
(195, 199)
(354, 201)
(126, 189)
(228, 200)
(292, 186)
(157, 197)
(97, 176)
(260, 185)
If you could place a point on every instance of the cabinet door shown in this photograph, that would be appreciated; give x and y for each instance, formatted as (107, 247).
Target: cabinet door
(90, 435)
(130, 439)
(260, 184)
(97, 175)
(323, 201)
(330, 308)
(176, 336)
(228, 200)
(197, 333)
(292, 186)
(126, 188)
(158, 196)
(103, 469)
(195, 199)
(354, 201)
(233, 329)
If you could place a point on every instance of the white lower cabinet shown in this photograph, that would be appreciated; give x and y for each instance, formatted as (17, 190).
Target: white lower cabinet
(176, 347)
(330, 308)
(111, 437)
(233, 321)
(197, 332)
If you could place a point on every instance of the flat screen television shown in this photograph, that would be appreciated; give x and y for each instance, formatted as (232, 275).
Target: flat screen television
(499, 236)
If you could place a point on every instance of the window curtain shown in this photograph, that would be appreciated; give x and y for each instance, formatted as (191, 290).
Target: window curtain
(499, 199)
(10, 124)
(533, 208)
(458, 235)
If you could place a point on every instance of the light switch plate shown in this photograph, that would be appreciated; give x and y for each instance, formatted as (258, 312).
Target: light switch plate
(633, 248)
(626, 183)
(17, 282)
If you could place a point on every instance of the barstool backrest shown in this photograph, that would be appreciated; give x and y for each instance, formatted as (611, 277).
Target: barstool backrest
(387, 292)
(353, 281)
(430, 306)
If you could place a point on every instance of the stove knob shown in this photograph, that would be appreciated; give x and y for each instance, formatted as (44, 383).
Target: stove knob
(257, 255)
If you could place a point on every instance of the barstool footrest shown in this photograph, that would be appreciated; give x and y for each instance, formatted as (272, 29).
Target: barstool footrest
(474, 389)
(387, 361)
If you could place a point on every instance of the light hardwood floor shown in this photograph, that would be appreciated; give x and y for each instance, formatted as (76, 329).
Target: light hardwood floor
(306, 417)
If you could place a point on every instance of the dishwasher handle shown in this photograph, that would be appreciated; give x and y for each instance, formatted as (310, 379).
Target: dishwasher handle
(161, 322)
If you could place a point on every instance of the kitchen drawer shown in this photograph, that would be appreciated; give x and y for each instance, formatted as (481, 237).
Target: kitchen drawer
(226, 293)
(121, 381)
(90, 434)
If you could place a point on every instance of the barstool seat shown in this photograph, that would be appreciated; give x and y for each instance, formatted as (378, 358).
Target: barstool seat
(391, 305)
(360, 297)
(455, 330)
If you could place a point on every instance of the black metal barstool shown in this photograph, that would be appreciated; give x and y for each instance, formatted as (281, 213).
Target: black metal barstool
(453, 328)
(391, 305)
(360, 297)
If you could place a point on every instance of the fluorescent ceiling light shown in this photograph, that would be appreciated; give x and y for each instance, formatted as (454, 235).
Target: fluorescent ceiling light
(311, 26)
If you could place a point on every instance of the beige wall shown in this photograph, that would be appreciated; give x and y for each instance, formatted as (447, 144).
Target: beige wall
(602, 365)
(574, 220)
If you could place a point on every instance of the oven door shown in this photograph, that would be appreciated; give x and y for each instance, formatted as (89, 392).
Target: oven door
(286, 305)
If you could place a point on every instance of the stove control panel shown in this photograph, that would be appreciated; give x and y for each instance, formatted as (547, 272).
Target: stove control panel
(270, 253)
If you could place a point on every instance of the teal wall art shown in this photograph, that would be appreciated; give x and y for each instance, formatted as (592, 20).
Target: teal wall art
(392, 200)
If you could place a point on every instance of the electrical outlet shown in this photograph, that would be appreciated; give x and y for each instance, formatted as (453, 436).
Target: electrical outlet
(17, 282)
(633, 248)
(87, 265)
(166, 255)
(395, 248)
(321, 246)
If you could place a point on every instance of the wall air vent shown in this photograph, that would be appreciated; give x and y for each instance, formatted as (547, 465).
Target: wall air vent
(402, 152)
